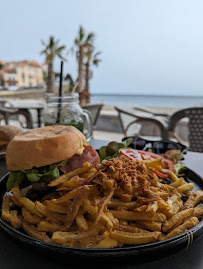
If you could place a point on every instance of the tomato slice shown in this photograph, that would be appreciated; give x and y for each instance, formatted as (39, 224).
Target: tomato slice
(131, 154)
(137, 154)
(160, 174)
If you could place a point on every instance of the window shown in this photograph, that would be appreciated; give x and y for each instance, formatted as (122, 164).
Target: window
(23, 77)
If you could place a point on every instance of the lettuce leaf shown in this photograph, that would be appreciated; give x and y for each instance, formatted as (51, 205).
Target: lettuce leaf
(179, 168)
(14, 178)
(50, 172)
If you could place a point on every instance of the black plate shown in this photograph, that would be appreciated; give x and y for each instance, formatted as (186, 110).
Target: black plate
(147, 252)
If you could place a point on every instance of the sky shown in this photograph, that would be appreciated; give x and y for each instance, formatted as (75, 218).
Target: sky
(148, 46)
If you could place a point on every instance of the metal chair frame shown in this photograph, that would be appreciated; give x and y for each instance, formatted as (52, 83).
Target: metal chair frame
(8, 112)
(140, 119)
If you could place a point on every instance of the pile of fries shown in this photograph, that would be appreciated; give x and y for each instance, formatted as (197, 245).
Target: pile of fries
(120, 202)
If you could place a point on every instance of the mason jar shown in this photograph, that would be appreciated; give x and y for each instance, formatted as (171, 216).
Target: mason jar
(66, 110)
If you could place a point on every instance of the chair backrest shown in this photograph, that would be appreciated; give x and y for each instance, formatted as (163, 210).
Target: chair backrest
(94, 109)
(8, 113)
(132, 124)
(195, 126)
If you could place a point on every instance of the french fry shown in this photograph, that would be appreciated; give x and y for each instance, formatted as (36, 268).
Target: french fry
(151, 209)
(105, 220)
(89, 174)
(43, 211)
(74, 207)
(107, 241)
(89, 207)
(115, 221)
(73, 182)
(58, 208)
(180, 181)
(30, 206)
(150, 225)
(81, 221)
(193, 199)
(130, 229)
(15, 221)
(16, 192)
(102, 204)
(16, 201)
(65, 237)
(141, 208)
(172, 176)
(188, 224)
(177, 219)
(5, 213)
(133, 216)
(30, 218)
(198, 211)
(114, 203)
(134, 238)
(44, 226)
(186, 187)
(70, 195)
(68, 176)
(32, 231)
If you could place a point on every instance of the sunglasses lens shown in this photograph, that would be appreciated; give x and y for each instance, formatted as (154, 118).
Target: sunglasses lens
(162, 147)
(139, 143)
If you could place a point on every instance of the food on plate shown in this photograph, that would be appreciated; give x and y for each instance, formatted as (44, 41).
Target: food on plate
(7, 133)
(42, 152)
(133, 199)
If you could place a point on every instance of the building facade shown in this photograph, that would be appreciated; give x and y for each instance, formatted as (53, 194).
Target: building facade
(25, 74)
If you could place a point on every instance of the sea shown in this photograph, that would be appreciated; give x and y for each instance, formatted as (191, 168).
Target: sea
(148, 100)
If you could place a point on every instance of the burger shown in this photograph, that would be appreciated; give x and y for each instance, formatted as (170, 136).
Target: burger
(37, 156)
(7, 133)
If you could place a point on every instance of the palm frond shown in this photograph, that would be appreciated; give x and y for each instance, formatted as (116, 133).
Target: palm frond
(43, 43)
(43, 51)
(81, 34)
(97, 54)
(90, 38)
(96, 62)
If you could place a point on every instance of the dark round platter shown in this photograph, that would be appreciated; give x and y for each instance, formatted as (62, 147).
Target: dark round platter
(147, 252)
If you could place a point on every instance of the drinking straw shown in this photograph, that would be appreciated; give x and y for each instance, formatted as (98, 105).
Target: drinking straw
(60, 93)
(74, 88)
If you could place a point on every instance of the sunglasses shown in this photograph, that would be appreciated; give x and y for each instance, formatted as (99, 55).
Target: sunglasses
(159, 147)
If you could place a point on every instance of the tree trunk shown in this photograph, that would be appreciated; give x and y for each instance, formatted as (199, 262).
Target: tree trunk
(50, 78)
(81, 75)
(87, 76)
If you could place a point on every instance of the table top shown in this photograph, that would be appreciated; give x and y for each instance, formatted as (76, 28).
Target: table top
(25, 104)
(14, 255)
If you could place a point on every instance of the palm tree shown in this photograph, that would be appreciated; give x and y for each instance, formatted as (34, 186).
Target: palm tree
(51, 50)
(81, 42)
(91, 58)
(69, 78)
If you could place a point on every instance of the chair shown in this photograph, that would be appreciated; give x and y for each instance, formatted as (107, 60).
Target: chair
(8, 113)
(132, 124)
(194, 116)
(94, 109)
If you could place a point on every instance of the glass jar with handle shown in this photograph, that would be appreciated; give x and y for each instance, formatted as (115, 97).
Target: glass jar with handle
(66, 110)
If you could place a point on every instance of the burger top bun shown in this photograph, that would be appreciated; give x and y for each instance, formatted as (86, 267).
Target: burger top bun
(7, 132)
(43, 146)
